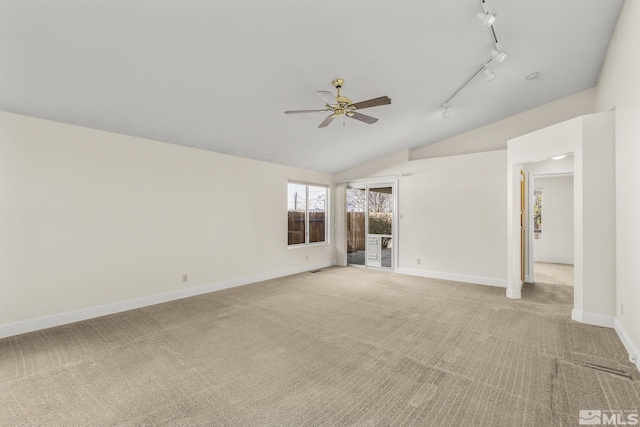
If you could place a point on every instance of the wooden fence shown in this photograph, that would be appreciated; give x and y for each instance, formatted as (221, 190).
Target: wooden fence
(379, 223)
(296, 227)
(356, 234)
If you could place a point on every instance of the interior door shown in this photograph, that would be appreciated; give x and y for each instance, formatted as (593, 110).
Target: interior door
(522, 227)
(530, 203)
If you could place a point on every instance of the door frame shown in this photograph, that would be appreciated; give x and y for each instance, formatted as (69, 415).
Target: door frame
(376, 183)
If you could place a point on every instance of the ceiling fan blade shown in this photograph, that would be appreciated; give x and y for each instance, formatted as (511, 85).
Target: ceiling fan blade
(383, 100)
(326, 122)
(304, 111)
(363, 118)
(327, 97)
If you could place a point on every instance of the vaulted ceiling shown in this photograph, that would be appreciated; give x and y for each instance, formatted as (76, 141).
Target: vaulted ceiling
(218, 74)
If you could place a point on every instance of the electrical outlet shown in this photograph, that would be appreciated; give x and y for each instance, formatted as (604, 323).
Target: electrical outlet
(401, 216)
(185, 278)
(418, 261)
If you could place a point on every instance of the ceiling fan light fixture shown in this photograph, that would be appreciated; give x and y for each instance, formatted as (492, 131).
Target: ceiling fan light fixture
(499, 55)
(487, 18)
(339, 105)
(489, 75)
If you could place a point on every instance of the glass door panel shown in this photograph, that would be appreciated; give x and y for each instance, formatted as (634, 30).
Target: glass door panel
(356, 227)
(380, 203)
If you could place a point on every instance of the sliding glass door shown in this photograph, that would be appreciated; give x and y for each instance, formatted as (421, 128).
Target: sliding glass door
(370, 225)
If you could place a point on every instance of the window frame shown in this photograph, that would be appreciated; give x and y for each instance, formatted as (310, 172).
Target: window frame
(306, 243)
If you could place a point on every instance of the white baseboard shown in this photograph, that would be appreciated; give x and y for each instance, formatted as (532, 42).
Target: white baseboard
(631, 347)
(514, 293)
(604, 320)
(563, 261)
(489, 281)
(44, 322)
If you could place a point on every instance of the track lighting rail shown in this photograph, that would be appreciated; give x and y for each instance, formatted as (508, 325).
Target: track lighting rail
(488, 18)
(466, 82)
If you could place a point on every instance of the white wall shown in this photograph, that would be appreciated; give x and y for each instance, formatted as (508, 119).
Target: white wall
(92, 218)
(452, 216)
(556, 245)
(598, 214)
(494, 136)
(619, 88)
(374, 167)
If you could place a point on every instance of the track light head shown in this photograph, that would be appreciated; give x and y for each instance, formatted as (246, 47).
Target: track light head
(445, 112)
(487, 18)
(499, 55)
(489, 75)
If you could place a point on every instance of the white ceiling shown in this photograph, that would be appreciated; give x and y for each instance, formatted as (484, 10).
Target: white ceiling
(218, 74)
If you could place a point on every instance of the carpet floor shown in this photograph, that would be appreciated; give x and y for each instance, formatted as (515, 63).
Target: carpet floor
(553, 274)
(340, 347)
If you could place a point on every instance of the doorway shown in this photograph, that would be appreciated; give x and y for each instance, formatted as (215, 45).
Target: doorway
(371, 225)
(591, 139)
(550, 237)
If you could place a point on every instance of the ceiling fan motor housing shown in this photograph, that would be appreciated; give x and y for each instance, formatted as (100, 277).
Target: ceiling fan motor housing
(343, 101)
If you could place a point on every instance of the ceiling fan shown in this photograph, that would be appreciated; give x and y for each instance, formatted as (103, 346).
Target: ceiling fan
(342, 106)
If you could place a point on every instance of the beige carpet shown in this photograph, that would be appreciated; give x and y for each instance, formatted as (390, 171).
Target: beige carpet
(344, 346)
(553, 274)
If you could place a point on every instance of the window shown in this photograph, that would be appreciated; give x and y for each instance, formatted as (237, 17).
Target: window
(537, 214)
(307, 214)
